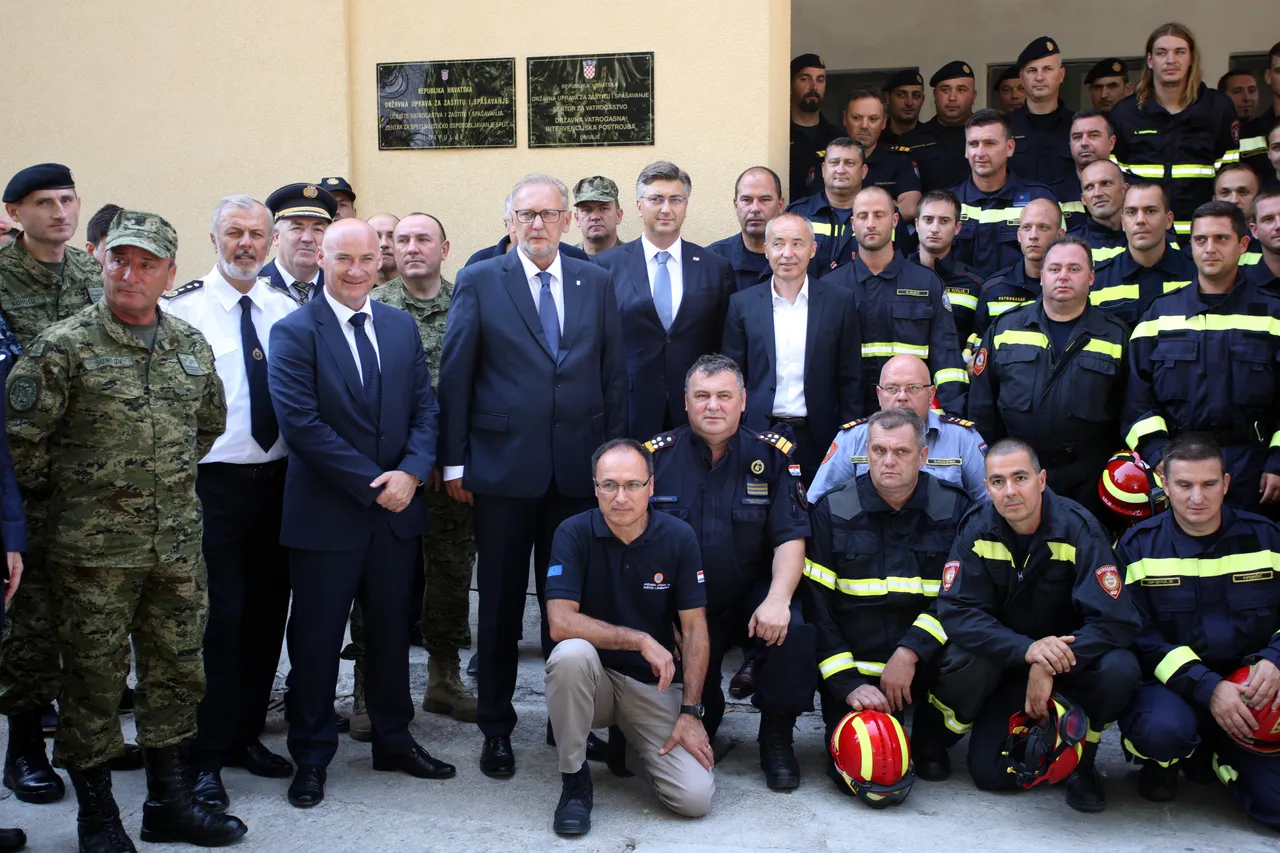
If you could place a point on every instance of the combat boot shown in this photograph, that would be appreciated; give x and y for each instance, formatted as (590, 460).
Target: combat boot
(98, 824)
(361, 727)
(1084, 785)
(777, 758)
(171, 812)
(446, 694)
(27, 771)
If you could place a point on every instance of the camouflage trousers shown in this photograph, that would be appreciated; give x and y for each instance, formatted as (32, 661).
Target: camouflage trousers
(31, 655)
(164, 607)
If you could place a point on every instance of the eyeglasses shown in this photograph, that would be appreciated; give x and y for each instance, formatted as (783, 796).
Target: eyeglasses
(660, 200)
(548, 216)
(893, 390)
(609, 487)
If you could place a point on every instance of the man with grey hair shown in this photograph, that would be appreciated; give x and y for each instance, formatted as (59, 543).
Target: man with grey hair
(532, 376)
(508, 242)
(302, 212)
(241, 487)
(672, 296)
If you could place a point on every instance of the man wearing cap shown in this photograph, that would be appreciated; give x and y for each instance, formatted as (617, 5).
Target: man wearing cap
(757, 198)
(1108, 82)
(888, 166)
(810, 130)
(904, 94)
(1042, 126)
(302, 213)
(43, 279)
(598, 214)
(341, 190)
(937, 145)
(1009, 90)
(108, 413)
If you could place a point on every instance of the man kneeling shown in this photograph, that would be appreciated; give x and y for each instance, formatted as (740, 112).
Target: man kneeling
(618, 579)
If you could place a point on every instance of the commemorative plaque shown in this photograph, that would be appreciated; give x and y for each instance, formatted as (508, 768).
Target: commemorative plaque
(463, 103)
(594, 99)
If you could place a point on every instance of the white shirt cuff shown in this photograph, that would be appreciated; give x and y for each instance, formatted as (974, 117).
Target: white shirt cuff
(453, 472)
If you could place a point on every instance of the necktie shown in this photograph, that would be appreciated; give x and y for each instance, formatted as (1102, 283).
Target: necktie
(370, 372)
(262, 417)
(662, 290)
(304, 290)
(547, 313)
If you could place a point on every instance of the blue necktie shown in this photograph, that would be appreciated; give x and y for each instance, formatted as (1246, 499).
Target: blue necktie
(262, 417)
(370, 373)
(662, 290)
(547, 313)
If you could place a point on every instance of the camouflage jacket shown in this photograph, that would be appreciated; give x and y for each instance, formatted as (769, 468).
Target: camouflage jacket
(430, 315)
(32, 298)
(111, 433)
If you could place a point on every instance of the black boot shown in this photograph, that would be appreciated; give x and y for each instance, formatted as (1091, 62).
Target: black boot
(777, 759)
(27, 771)
(1158, 784)
(98, 825)
(931, 760)
(12, 840)
(1084, 786)
(171, 812)
(208, 791)
(573, 813)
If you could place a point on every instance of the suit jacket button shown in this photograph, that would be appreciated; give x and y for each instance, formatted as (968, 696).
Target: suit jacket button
(668, 340)
(557, 423)
(558, 383)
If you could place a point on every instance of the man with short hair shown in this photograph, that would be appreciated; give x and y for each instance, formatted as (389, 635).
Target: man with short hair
(672, 296)
(1265, 228)
(757, 199)
(937, 145)
(1254, 135)
(1092, 138)
(888, 166)
(598, 214)
(1102, 187)
(1033, 605)
(810, 130)
(1009, 90)
(1186, 709)
(904, 97)
(342, 191)
(1242, 88)
(302, 212)
(622, 577)
(95, 232)
(1108, 83)
(830, 209)
(1041, 127)
(1238, 184)
(1039, 224)
(385, 226)
(937, 225)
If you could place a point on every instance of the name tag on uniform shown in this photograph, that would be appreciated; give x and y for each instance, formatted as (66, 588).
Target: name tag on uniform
(1253, 577)
(664, 499)
(108, 361)
(189, 364)
(756, 501)
(945, 462)
(23, 302)
(1161, 582)
(902, 292)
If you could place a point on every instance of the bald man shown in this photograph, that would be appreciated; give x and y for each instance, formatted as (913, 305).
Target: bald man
(385, 226)
(1039, 224)
(353, 397)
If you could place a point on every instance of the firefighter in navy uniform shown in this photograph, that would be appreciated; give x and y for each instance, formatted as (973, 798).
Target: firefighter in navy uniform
(873, 571)
(1041, 127)
(1203, 577)
(1032, 604)
(739, 491)
(1039, 224)
(1205, 358)
(937, 224)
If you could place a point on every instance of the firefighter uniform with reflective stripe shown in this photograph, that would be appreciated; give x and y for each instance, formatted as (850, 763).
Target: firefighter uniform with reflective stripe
(988, 242)
(1209, 605)
(1065, 405)
(1008, 289)
(832, 232)
(1125, 288)
(873, 575)
(1180, 150)
(1104, 243)
(963, 287)
(1253, 143)
(904, 312)
(996, 600)
(1196, 366)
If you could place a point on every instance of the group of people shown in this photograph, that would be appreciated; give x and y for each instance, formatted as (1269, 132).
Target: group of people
(884, 439)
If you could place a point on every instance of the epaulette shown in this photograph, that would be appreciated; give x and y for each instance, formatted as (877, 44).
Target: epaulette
(778, 441)
(952, 419)
(660, 442)
(854, 423)
(190, 287)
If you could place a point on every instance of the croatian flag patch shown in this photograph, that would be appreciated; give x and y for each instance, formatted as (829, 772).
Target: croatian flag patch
(701, 577)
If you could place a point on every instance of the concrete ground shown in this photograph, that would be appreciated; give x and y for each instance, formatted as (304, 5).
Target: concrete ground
(369, 811)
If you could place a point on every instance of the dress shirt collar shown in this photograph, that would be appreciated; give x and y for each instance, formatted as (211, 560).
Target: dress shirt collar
(531, 269)
(289, 280)
(650, 250)
(227, 296)
(342, 312)
(779, 299)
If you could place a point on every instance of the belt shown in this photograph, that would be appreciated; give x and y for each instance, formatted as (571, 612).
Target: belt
(258, 471)
(797, 422)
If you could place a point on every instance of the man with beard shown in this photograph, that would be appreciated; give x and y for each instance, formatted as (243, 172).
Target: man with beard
(1102, 189)
(1108, 82)
(937, 145)
(810, 130)
(597, 212)
(904, 93)
(302, 212)
(385, 225)
(757, 198)
(1241, 87)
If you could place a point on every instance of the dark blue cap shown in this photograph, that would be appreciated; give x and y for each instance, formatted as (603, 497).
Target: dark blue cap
(905, 77)
(45, 176)
(1112, 67)
(952, 71)
(1038, 49)
(294, 200)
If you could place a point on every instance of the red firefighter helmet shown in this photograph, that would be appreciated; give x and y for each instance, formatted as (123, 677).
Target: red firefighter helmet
(1266, 738)
(1125, 486)
(1047, 750)
(873, 756)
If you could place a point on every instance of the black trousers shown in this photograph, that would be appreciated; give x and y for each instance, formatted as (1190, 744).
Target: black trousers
(248, 603)
(379, 574)
(927, 719)
(507, 531)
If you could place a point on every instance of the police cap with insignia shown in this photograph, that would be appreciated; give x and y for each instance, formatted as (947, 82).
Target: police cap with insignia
(806, 60)
(1038, 49)
(144, 230)
(45, 176)
(905, 77)
(952, 71)
(338, 185)
(1112, 67)
(296, 200)
(1010, 73)
(595, 188)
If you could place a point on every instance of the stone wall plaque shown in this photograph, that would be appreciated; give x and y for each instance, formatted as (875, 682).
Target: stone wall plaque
(593, 99)
(463, 103)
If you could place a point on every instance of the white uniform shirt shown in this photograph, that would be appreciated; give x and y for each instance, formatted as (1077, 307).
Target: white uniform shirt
(790, 330)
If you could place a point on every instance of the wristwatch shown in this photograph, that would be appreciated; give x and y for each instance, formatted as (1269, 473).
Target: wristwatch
(695, 711)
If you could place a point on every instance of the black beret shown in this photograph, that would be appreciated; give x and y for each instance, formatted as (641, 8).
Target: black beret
(1010, 73)
(1107, 68)
(807, 60)
(905, 77)
(951, 71)
(338, 185)
(294, 200)
(46, 176)
(1038, 49)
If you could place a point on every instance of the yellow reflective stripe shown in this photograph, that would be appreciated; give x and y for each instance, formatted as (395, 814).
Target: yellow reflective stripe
(931, 626)
(822, 228)
(990, 550)
(1154, 170)
(1171, 286)
(1100, 255)
(999, 214)
(1144, 428)
(836, 663)
(1062, 551)
(1225, 772)
(1119, 495)
(1215, 567)
(1114, 292)
(961, 299)
(1275, 439)
(867, 667)
(1182, 226)
(949, 718)
(1103, 348)
(1231, 155)
(864, 587)
(1249, 259)
(1252, 145)
(995, 309)
(1196, 170)
(951, 374)
(1091, 736)
(891, 348)
(1128, 745)
(1031, 339)
(1070, 207)
(1174, 661)
(1207, 323)
(819, 574)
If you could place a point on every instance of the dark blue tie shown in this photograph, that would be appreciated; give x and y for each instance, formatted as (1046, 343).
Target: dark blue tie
(262, 417)
(369, 370)
(547, 313)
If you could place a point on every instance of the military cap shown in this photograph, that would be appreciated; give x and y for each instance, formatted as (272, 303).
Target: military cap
(1010, 73)
(597, 188)
(905, 77)
(952, 71)
(46, 176)
(295, 200)
(1038, 49)
(338, 185)
(807, 60)
(147, 231)
(1107, 68)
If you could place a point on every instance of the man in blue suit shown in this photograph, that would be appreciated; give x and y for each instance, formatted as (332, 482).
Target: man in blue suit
(301, 212)
(352, 394)
(532, 380)
(672, 296)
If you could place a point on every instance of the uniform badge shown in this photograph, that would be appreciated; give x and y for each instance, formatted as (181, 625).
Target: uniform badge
(946, 301)
(831, 451)
(793, 470)
(310, 192)
(37, 349)
(257, 354)
(189, 364)
(980, 362)
(1048, 45)
(757, 467)
(949, 572)
(22, 394)
(1235, 132)
(966, 69)
(1109, 580)
(757, 489)
(1117, 67)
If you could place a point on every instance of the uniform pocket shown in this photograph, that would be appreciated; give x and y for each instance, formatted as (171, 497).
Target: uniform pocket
(1091, 393)
(1173, 369)
(1252, 380)
(1016, 367)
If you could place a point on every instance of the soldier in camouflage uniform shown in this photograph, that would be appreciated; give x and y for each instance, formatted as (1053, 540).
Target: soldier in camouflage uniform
(108, 413)
(42, 280)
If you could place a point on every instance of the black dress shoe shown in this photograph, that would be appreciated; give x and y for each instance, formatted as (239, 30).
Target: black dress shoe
(12, 840)
(931, 762)
(208, 791)
(573, 813)
(415, 761)
(473, 665)
(129, 760)
(743, 683)
(307, 788)
(497, 761)
(260, 761)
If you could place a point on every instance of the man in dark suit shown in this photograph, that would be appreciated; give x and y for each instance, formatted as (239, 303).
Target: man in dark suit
(672, 296)
(799, 345)
(352, 394)
(301, 212)
(532, 379)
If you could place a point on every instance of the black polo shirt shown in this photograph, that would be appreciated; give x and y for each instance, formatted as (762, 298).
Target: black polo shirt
(641, 586)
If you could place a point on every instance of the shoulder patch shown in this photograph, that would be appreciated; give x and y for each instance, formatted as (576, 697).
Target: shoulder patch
(854, 423)
(783, 444)
(37, 349)
(952, 419)
(23, 392)
(183, 290)
(660, 442)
